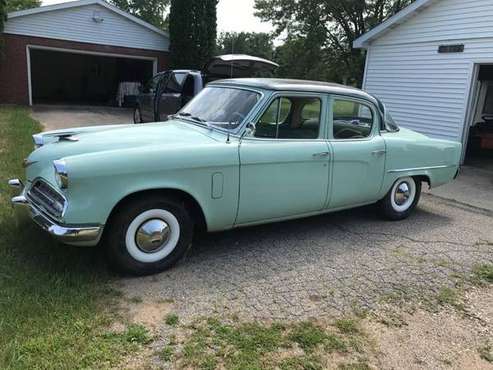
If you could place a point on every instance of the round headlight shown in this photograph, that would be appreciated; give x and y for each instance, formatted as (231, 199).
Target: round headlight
(61, 174)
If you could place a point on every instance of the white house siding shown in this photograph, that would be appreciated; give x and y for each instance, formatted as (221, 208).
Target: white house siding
(427, 91)
(77, 24)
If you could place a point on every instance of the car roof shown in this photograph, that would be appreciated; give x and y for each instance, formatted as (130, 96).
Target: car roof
(279, 84)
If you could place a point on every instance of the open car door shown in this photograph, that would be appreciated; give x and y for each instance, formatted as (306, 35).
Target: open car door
(238, 66)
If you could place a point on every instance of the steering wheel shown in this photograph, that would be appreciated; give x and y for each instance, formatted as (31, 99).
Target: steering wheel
(239, 115)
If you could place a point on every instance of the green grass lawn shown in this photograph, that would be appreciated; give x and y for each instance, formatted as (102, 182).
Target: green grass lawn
(55, 301)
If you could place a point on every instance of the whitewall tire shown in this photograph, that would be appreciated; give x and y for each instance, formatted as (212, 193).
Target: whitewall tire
(401, 199)
(148, 235)
(152, 235)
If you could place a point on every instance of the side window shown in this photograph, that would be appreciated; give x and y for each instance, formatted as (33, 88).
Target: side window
(351, 119)
(277, 112)
(175, 83)
(290, 118)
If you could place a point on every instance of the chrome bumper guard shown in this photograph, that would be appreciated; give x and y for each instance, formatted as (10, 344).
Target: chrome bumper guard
(83, 235)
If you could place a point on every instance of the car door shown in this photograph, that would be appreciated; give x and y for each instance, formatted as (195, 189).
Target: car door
(358, 162)
(284, 164)
(169, 100)
(146, 98)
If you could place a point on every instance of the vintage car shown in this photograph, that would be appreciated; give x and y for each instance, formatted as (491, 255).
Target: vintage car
(242, 152)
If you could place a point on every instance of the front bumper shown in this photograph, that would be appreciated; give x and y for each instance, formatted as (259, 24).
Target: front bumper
(68, 234)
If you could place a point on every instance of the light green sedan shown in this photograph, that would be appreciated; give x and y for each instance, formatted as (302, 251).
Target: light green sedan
(243, 152)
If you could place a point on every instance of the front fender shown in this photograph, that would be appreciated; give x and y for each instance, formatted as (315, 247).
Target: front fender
(99, 181)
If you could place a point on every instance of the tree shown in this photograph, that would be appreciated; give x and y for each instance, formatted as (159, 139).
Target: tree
(3, 18)
(258, 44)
(15, 5)
(152, 11)
(301, 58)
(334, 23)
(193, 30)
(3, 14)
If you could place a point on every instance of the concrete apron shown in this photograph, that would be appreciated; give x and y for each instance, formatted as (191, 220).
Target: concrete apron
(55, 117)
(473, 187)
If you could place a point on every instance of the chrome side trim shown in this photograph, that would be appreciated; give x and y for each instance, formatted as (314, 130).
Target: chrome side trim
(422, 168)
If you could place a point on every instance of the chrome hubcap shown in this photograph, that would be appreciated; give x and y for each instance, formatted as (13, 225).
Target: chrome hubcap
(402, 194)
(152, 235)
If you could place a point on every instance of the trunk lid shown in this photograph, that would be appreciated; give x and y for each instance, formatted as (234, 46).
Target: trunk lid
(238, 66)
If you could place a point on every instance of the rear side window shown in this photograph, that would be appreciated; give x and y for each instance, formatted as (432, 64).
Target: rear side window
(351, 119)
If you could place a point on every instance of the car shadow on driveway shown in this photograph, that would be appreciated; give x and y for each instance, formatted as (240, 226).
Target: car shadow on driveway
(300, 233)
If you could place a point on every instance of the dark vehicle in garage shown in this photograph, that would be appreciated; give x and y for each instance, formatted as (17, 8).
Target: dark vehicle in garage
(167, 92)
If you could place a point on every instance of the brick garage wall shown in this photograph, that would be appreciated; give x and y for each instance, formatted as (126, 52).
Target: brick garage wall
(14, 88)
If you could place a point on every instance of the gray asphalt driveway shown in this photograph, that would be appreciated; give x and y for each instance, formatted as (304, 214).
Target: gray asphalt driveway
(323, 266)
(54, 117)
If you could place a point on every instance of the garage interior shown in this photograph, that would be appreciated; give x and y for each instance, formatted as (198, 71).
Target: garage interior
(480, 139)
(84, 79)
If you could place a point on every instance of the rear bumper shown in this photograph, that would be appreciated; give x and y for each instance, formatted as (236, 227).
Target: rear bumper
(82, 235)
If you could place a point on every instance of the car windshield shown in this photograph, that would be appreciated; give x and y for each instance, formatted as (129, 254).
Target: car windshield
(221, 107)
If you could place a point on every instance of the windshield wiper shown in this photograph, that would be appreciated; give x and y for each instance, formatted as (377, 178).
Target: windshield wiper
(193, 118)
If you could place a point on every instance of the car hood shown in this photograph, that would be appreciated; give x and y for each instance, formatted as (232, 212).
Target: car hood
(65, 143)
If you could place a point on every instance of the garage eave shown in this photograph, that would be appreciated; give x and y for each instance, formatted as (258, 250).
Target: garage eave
(79, 3)
(363, 42)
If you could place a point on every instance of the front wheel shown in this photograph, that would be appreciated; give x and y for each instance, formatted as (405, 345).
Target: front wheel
(401, 199)
(148, 235)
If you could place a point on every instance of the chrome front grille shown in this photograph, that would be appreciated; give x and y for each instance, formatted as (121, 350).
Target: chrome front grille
(47, 199)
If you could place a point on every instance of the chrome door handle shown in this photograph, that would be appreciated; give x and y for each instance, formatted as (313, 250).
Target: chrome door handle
(321, 155)
(378, 152)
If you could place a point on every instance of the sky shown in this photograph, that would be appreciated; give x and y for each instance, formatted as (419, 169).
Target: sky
(232, 16)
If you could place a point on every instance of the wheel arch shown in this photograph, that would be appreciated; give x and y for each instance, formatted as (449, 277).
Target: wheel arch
(192, 205)
(423, 178)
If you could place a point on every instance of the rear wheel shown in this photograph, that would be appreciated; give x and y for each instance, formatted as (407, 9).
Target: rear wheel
(402, 198)
(137, 115)
(148, 235)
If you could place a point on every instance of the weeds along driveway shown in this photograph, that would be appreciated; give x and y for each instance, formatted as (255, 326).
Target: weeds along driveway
(324, 266)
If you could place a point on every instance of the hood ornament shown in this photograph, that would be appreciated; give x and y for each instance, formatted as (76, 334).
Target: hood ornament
(67, 137)
(39, 139)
